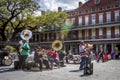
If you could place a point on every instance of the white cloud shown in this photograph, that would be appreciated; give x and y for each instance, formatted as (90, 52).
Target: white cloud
(54, 4)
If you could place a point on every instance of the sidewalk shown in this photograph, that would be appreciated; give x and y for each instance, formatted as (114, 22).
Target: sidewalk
(102, 71)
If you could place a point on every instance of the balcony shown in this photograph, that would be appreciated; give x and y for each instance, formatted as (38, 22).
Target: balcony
(100, 37)
(100, 24)
(69, 39)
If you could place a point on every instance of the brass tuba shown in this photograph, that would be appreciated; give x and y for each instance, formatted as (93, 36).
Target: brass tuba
(57, 45)
(26, 34)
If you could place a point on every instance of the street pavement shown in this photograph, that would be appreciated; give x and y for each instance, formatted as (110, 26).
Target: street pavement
(109, 70)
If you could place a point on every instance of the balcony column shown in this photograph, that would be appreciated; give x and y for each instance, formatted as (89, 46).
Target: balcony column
(71, 48)
(79, 34)
(112, 46)
(104, 47)
(62, 36)
(43, 37)
(48, 37)
(39, 38)
(57, 35)
(96, 47)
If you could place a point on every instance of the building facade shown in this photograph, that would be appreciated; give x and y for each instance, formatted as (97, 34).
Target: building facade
(96, 22)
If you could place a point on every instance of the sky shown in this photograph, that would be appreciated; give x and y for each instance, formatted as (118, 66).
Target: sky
(54, 4)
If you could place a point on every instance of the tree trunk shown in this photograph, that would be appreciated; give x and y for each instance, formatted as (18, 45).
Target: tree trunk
(3, 36)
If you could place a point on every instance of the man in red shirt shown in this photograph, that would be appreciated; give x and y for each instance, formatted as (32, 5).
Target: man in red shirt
(53, 57)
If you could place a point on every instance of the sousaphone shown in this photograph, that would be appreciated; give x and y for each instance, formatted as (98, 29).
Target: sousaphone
(26, 34)
(57, 45)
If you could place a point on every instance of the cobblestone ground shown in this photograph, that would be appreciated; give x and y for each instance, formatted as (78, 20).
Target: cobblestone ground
(102, 71)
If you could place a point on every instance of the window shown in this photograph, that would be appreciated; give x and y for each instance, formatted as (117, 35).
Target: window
(100, 33)
(80, 20)
(80, 12)
(97, 1)
(117, 33)
(73, 13)
(86, 20)
(86, 33)
(93, 17)
(108, 7)
(86, 11)
(67, 21)
(93, 9)
(73, 21)
(116, 5)
(100, 9)
(93, 33)
(108, 32)
(108, 17)
(117, 15)
(100, 18)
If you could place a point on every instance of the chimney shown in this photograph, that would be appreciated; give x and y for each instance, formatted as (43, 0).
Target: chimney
(59, 9)
(80, 4)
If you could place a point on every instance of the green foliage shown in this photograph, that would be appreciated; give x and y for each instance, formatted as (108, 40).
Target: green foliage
(10, 48)
(52, 18)
(13, 13)
(66, 28)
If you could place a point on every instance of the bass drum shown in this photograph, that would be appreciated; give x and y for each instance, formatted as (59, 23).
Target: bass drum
(7, 61)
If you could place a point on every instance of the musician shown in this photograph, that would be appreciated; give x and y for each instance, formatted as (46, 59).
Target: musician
(62, 54)
(45, 59)
(24, 53)
(17, 63)
(69, 56)
(38, 57)
(53, 57)
(83, 54)
(19, 47)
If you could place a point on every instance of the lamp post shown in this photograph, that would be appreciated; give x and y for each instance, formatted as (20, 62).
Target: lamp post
(39, 29)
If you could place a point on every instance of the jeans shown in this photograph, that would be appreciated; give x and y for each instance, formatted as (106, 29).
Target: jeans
(83, 61)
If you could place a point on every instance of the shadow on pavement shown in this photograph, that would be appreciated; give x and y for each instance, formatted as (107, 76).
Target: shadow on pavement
(74, 71)
(84, 75)
(3, 70)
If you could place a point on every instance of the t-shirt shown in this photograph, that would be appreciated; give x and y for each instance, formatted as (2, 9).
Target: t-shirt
(26, 49)
(81, 48)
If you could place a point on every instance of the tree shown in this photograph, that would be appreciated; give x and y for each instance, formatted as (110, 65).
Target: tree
(52, 19)
(30, 22)
(10, 10)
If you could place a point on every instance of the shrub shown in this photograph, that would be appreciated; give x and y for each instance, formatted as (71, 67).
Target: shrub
(10, 48)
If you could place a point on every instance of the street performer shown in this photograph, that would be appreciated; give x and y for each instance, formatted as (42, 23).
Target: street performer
(86, 64)
(83, 54)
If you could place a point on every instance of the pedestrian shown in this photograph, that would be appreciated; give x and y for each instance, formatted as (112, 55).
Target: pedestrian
(100, 54)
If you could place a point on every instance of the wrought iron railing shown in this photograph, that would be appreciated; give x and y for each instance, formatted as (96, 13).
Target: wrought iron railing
(100, 37)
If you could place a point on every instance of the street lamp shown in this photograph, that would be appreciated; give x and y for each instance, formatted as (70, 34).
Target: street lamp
(39, 29)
